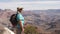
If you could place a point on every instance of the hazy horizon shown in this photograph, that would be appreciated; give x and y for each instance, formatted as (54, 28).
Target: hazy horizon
(30, 4)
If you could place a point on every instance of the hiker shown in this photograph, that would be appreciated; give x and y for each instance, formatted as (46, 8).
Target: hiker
(20, 20)
(17, 20)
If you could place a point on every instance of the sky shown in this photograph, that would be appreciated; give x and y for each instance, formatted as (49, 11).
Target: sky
(30, 4)
(25, 0)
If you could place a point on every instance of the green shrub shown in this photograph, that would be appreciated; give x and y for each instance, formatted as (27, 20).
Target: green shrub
(30, 30)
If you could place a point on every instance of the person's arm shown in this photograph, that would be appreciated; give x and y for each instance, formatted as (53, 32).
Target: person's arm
(21, 25)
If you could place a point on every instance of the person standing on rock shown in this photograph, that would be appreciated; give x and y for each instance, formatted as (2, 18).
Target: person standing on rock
(17, 21)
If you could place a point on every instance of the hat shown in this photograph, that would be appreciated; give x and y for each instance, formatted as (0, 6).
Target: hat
(19, 8)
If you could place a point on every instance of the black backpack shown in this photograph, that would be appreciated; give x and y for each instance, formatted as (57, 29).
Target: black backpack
(13, 19)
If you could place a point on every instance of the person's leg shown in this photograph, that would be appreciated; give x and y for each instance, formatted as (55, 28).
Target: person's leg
(19, 31)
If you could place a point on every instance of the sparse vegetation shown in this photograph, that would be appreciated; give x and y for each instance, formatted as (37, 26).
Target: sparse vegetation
(30, 30)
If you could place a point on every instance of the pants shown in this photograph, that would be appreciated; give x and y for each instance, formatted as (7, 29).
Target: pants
(17, 30)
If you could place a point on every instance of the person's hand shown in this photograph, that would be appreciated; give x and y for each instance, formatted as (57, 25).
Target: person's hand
(23, 30)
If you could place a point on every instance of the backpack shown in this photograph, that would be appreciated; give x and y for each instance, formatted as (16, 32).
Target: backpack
(13, 19)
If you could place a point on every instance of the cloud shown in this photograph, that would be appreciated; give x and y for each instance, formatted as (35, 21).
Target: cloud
(35, 5)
